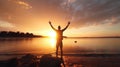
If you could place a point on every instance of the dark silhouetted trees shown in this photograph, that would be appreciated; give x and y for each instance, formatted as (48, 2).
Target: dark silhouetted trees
(15, 34)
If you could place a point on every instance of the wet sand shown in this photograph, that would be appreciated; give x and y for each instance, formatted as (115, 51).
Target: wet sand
(72, 61)
(84, 60)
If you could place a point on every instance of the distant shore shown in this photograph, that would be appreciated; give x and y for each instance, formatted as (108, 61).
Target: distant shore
(94, 37)
(11, 34)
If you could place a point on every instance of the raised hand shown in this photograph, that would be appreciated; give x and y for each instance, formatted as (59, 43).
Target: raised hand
(49, 22)
(52, 26)
(66, 26)
(69, 22)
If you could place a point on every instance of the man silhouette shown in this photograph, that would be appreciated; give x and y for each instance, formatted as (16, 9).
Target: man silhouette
(59, 38)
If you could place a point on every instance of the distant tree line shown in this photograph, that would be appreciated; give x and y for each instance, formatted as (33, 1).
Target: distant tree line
(15, 34)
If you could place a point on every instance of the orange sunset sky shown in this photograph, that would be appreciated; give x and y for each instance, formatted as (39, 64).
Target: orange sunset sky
(87, 17)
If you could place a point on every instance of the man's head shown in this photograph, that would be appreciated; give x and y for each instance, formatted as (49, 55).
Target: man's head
(59, 28)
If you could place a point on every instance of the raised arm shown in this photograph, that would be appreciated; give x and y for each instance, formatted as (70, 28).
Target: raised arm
(51, 25)
(66, 26)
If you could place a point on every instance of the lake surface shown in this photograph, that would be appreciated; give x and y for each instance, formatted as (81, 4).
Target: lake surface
(13, 46)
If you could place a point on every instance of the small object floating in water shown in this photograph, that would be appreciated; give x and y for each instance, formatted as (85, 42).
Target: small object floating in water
(75, 41)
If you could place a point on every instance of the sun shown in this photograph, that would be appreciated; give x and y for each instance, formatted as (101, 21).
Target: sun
(52, 34)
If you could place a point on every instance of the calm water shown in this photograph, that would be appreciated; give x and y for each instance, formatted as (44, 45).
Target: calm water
(47, 45)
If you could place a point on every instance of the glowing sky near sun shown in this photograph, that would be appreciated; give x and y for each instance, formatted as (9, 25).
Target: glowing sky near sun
(88, 17)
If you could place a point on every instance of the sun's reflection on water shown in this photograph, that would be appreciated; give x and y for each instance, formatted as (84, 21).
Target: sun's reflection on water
(52, 42)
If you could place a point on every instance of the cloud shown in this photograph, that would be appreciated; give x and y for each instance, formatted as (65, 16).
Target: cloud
(24, 4)
(30, 13)
(90, 12)
(5, 24)
(12, 8)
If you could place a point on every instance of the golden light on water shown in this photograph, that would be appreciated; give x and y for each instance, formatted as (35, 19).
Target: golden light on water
(53, 42)
(52, 36)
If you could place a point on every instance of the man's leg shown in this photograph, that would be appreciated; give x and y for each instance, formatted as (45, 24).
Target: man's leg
(61, 49)
(57, 50)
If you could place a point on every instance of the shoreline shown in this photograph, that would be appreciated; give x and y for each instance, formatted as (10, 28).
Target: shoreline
(66, 54)
(9, 56)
